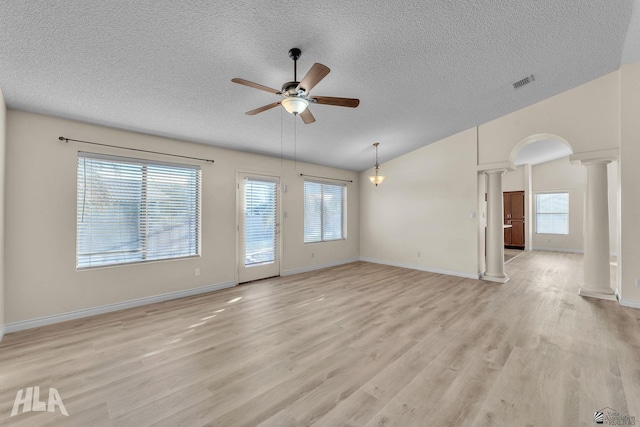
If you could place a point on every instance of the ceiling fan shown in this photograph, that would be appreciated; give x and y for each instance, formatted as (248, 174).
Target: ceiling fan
(295, 94)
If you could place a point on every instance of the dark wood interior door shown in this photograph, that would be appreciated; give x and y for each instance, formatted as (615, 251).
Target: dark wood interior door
(514, 216)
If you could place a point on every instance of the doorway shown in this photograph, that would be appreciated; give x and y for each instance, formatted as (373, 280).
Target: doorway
(259, 227)
(514, 219)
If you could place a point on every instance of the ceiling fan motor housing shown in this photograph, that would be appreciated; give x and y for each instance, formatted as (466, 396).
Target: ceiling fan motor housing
(289, 88)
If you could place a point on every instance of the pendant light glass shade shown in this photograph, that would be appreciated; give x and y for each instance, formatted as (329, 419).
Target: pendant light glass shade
(295, 105)
(376, 179)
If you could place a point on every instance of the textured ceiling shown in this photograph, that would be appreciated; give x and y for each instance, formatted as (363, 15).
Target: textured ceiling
(423, 70)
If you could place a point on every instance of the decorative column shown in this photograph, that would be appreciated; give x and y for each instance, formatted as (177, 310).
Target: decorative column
(597, 281)
(495, 228)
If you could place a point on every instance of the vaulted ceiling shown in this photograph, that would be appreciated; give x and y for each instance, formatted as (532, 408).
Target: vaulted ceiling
(422, 70)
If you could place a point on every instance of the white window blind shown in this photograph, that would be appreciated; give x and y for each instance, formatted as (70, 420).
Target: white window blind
(324, 211)
(132, 210)
(552, 213)
(260, 221)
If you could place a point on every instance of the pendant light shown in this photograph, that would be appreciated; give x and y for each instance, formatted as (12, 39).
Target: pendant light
(376, 179)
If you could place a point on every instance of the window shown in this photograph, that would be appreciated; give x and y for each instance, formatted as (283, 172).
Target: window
(132, 210)
(324, 211)
(552, 213)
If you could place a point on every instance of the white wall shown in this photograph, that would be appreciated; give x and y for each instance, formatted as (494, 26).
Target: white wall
(588, 117)
(424, 206)
(630, 184)
(3, 127)
(560, 176)
(41, 278)
(513, 180)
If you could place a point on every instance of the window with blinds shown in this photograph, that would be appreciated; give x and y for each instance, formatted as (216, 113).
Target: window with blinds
(131, 210)
(552, 213)
(260, 213)
(324, 211)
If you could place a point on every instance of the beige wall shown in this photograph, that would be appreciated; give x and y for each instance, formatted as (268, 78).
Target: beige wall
(514, 180)
(3, 127)
(586, 116)
(424, 206)
(630, 182)
(560, 176)
(41, 279)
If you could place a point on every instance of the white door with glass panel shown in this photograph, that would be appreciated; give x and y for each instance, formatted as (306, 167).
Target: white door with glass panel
(259, 228)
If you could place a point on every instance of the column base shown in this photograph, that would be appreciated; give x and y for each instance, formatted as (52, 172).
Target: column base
(595, 294)
(503, 279)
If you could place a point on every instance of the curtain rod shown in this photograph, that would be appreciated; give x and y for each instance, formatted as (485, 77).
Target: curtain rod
(326, 177)
(66, 140)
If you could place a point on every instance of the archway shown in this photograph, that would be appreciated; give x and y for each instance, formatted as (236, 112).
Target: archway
(541, 146)
(533, 150)
(537, 148)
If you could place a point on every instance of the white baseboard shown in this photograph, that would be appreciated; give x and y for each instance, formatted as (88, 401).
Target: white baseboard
(421, 268)
(86, 312)
(317, 267)
(628, 302)
(572, 251)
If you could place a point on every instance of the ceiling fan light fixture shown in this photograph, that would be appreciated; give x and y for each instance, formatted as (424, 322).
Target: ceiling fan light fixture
(295, 105)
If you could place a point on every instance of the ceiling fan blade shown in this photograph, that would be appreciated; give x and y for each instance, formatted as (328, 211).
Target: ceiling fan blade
(307, 117)
(256, 86)
(313, 77)
(263, 108)
(341, 102)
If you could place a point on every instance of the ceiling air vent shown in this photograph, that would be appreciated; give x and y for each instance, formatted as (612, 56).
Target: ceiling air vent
(523, 82)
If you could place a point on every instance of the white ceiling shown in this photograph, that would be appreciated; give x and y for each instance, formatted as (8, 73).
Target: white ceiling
(423, 70)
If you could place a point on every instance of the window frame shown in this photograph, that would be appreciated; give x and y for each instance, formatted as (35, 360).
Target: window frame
(536, 213)
(143, 203)
(343, 212)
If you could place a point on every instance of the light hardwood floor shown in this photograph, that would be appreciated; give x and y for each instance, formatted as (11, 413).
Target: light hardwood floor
(356, 345)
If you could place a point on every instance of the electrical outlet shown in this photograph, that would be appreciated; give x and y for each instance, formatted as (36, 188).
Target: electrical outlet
(638, 282)
(313, 255)
(197, 272)
(419, 254)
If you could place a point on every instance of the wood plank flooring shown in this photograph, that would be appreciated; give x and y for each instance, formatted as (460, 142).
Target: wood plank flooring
(356, 345)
